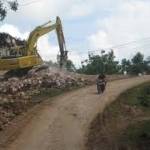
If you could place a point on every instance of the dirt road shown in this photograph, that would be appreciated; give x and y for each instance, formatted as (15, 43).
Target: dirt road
(63, 123)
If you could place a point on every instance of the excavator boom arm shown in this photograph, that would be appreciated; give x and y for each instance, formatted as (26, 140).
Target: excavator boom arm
(36, 34)
(44, 29)
(61, 42)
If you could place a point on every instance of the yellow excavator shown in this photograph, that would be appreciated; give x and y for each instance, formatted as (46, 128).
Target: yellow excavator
(25, 57)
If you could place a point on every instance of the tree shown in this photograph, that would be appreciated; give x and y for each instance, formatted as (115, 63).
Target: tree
(104, 63)
(138, 64)
(138, 58)
(5, 6)
(110, 65)
(125, 65)
(147, 65)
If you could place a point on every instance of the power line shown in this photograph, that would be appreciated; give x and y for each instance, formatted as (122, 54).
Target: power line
(124, 45)
(128, 44)
(29, 3)
(132, 42)
(147, 45)
(141, 47)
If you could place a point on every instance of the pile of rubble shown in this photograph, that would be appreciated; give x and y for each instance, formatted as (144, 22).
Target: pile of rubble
(16, 93)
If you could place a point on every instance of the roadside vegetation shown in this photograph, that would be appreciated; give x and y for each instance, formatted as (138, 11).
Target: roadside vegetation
(106, 63)
(125, 124)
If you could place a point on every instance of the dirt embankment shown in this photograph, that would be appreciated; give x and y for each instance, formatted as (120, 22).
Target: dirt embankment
(63, 123)
(125, 124)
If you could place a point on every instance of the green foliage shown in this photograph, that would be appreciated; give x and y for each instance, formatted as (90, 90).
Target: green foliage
(5, 6)
(144, 99)
(137, 136)
(137, 64)
(104, 63)
(138, 96)
(125, 65)
(138, 58)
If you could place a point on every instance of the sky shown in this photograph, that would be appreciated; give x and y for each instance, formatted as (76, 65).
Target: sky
(89, 25)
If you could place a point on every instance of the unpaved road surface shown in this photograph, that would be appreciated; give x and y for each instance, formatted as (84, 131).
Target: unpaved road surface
(62, 124)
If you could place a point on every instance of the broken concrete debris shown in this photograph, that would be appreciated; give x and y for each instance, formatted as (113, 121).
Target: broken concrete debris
(16, 93)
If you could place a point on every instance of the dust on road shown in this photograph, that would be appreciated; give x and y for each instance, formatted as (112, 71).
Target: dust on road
(63, 123)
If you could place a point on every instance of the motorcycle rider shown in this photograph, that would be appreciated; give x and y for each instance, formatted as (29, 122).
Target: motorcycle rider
(101, 83)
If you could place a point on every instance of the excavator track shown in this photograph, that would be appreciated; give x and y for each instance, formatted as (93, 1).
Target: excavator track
(24, 71)
(17, 73)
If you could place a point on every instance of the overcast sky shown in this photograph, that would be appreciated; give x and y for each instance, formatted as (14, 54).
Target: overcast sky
(88, 25)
